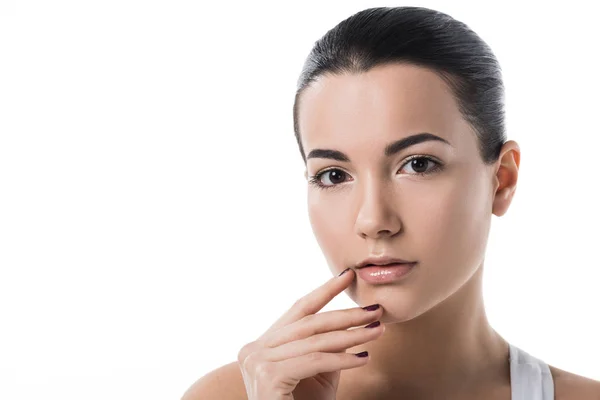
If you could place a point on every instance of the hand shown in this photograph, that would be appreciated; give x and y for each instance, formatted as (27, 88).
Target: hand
(301, 355)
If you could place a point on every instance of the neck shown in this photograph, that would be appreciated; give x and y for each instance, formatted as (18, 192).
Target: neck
(448, 349)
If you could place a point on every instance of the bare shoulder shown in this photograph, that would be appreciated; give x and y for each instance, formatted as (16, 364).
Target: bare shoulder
(224, 383)
(570, 386)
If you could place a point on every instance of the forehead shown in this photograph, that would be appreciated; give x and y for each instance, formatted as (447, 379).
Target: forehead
(387, 102)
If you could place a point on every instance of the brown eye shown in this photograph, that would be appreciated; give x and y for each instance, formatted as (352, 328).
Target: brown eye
(420, 165)
(335, 176)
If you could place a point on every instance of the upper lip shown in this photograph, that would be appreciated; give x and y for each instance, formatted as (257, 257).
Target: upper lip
(383, 260)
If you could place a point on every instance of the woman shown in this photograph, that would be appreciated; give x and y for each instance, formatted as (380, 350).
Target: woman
(399, 119)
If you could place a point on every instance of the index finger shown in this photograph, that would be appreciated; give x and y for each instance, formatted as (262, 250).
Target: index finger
(315, 300)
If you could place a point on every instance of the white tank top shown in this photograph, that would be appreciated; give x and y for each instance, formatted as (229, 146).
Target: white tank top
(530, 377)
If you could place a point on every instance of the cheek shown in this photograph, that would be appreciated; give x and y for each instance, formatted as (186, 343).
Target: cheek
(454, 224)
(329, 219)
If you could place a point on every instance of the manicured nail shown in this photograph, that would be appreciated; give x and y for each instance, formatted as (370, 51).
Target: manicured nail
(362, 354)
(373, 324)
(344, 271)
(372, 307)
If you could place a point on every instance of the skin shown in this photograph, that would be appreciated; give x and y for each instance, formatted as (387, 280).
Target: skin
(437, 342)
(437, 339)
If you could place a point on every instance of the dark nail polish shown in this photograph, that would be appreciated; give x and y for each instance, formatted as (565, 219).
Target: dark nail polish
(362, 354)
(373, 324)
(344, 271)
(372, 307)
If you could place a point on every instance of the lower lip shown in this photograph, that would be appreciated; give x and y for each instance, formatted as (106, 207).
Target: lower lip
(385, 273)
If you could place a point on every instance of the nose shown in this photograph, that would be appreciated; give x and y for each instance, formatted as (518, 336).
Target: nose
(376, 216)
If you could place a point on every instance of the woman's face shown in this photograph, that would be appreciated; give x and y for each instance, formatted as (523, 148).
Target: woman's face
(376, 204)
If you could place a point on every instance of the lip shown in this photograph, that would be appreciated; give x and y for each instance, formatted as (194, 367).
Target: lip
(382, 260)
(379, 274)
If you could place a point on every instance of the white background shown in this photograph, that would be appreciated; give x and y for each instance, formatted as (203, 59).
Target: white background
(152, 200)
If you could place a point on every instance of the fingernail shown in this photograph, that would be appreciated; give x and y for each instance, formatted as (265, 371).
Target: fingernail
(344, 271)
(362, 354)
(372, 307)
(373, 324)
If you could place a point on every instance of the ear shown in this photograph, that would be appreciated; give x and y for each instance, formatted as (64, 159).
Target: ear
(506, 177)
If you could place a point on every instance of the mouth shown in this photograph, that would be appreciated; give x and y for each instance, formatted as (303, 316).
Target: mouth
(387, 265)
(385, 273)
(383, 261)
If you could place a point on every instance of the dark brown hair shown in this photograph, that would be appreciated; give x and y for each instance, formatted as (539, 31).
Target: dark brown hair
(423, 37)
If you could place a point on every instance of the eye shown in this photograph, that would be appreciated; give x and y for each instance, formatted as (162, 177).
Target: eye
(419, 164)
(334, 175)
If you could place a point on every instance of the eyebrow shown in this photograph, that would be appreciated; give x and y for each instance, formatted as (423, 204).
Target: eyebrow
(390, 149)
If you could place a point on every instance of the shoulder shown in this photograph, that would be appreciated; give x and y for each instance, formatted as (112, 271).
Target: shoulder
(224, 383)
(569, 386)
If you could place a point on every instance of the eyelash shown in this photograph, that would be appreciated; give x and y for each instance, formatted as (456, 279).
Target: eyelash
(316, 179)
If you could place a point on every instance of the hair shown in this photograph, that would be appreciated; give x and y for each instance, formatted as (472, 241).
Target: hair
(425, 38)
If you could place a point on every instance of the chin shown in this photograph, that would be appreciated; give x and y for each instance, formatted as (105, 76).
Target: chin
(396, 315)
(399, 304)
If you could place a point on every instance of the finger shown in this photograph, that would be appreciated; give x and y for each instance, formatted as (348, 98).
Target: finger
(314, 324)
(328, 342)
(308, 365)
(314, 301)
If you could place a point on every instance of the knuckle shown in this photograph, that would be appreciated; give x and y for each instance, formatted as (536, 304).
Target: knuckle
(301, 304)
(313, 341)
(265, 371)
(245, 351)
(250, 360)
(311, 329)
(313, 357)
(308, 319)
(250, 363)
